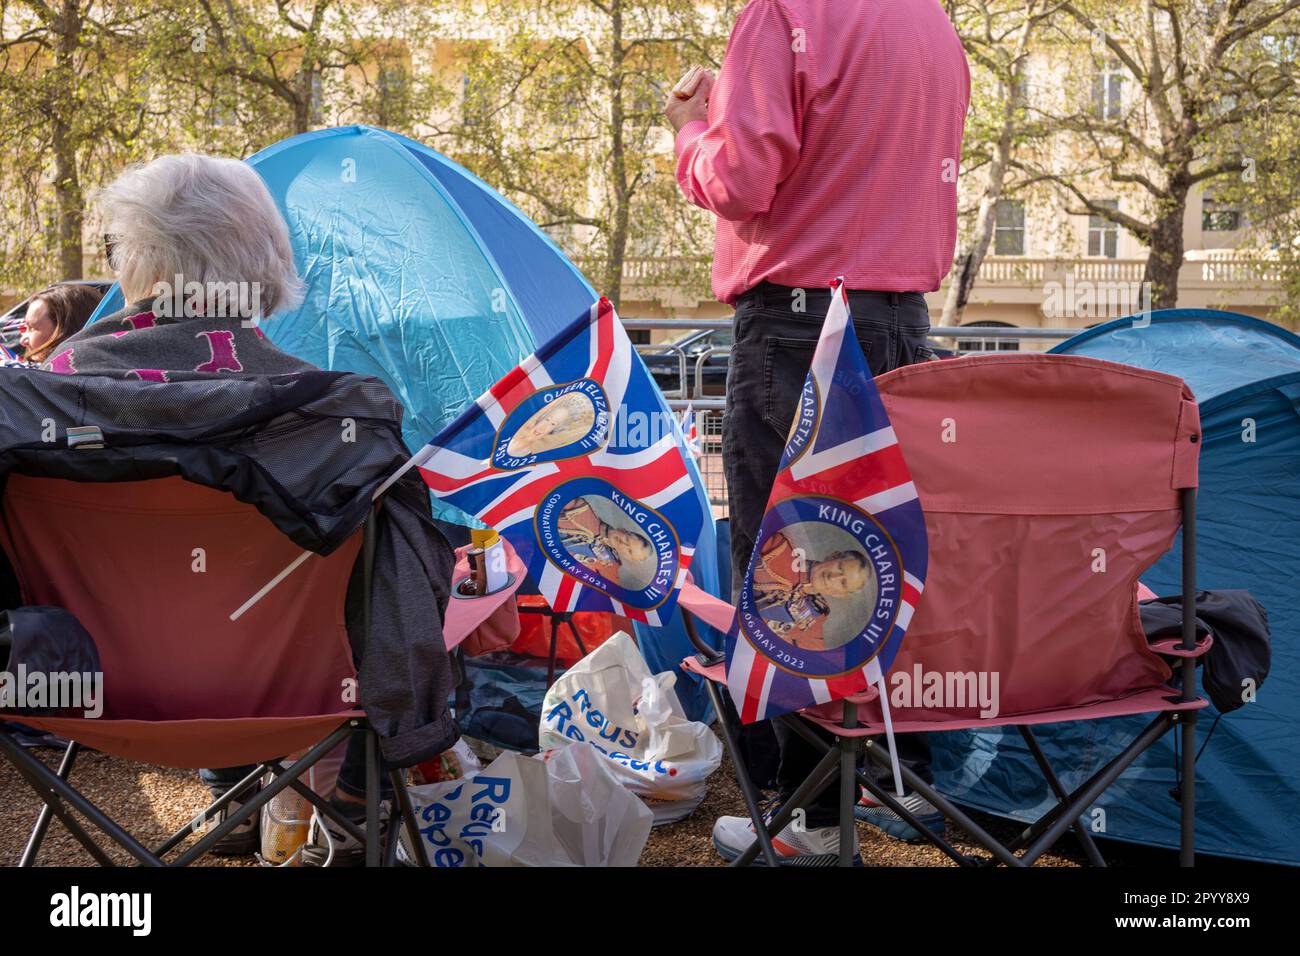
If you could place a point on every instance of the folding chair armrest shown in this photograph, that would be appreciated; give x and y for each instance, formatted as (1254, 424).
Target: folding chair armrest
(706, 655)
(1173, 647)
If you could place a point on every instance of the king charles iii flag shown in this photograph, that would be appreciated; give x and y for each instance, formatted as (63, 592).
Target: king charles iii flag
(575, 460)
(840, 557)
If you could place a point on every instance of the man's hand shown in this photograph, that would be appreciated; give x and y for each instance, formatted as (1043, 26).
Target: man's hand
(685, 104)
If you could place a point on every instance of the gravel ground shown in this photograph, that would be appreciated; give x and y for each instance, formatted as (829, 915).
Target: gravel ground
(152, 802)
(690, 841)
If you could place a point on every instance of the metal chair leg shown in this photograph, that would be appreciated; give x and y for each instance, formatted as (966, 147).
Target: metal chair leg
(747, 790)
(391, 840)
(810, 789)
(555, 646)
(848, 747)
(403, 802)
(237, 792)
(882, 794)
(1069, 810)
(1187, 796)
(43, 821)
(1080, 829)
(373, 843)
(573, 629)
(264, 796)
(56, 792)
(946, 807)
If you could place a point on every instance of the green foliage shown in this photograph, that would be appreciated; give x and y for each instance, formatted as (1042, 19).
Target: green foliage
(559, 104)
(563, 111)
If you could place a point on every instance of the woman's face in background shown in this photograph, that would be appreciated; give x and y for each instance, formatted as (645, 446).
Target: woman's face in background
(37, 327)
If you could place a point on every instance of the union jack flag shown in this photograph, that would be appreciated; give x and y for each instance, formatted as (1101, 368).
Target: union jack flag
(840, 558)
(573, 457)
(690, 433)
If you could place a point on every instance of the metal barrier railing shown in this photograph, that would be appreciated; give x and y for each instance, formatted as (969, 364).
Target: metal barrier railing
(708, 410)
(937, 332)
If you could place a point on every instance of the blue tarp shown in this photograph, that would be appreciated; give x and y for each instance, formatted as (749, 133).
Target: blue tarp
(422, 275)
(1245, 374)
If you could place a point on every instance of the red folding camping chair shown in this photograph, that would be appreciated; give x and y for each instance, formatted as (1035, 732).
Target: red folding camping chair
(153, 570)
(1049, 484)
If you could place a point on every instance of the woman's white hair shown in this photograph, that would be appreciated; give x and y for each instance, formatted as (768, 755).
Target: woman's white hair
(206, 219)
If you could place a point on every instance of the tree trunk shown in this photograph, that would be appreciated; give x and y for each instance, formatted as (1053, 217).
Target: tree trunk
(616, 250)
(1166, 254)
(969, 261)
(303, 101)
(967, 267)
(67, 182)
(70, 202)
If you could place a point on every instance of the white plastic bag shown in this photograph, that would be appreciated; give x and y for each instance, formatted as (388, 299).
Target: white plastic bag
(610, 700)
(561, 808)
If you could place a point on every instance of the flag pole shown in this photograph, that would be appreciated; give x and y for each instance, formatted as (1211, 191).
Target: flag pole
(876, 677)
(419, 458)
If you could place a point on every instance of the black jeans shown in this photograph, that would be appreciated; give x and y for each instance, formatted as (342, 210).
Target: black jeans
(776, 332)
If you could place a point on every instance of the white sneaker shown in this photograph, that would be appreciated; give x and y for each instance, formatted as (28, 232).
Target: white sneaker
(328, 844)
(817, 846)
(880, 816)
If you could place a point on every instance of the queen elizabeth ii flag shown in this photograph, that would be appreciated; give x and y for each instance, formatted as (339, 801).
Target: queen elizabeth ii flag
(573, 460)
(840, 557)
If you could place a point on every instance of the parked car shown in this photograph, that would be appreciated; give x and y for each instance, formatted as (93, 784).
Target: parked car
(11, 322)
(664, 361)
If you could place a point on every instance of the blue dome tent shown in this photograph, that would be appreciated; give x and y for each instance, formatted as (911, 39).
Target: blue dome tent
(416, 271)
(1245, 374)
(420, 274)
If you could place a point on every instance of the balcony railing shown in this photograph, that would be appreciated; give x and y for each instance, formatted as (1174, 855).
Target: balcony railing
(1220, 270)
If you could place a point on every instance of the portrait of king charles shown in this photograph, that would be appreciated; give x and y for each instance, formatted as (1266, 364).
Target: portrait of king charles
(793, 592)
(605, 548)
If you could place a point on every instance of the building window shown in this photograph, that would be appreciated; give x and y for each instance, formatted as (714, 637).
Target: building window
(990, 344)
(392, 81)
(316, 106)
(649, 96)
(391, 95)
(1217, 216)
(474, 100)
(1020, 86)
(221, 115)
(1107, 90)
(1103, 235)
(1009, 228)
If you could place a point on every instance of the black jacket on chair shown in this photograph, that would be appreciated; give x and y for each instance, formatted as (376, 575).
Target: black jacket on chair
(307, 449)
(1240, 651)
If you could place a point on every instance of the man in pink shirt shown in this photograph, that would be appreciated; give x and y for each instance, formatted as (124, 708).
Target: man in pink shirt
(828, 145)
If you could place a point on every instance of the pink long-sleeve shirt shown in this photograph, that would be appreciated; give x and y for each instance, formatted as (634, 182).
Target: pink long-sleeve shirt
(832, 146)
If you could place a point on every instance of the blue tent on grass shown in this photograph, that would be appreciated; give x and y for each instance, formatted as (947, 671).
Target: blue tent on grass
(422, 275)
(1245, 374)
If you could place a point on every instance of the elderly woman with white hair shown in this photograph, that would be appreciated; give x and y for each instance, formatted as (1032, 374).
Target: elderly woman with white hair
(202, 254)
